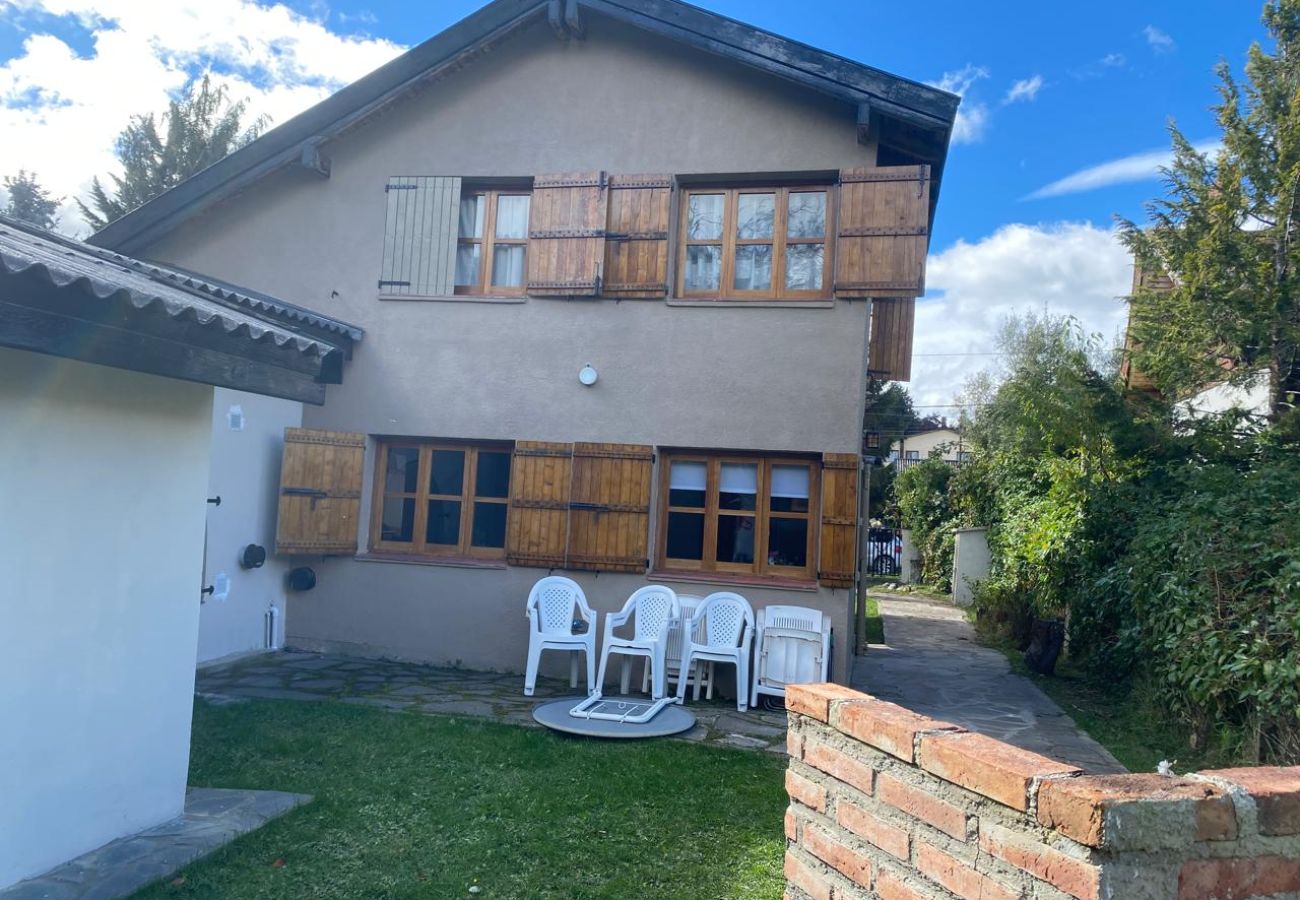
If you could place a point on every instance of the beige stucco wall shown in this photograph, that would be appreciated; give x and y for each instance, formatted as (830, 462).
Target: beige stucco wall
(944, 439)
(763, 378)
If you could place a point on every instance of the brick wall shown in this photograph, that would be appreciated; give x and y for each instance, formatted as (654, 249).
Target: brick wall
(888, 804)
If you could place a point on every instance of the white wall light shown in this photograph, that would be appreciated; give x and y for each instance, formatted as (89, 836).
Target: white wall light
(588, 375)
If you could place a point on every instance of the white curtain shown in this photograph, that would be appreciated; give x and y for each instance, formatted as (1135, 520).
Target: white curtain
(512, 216)
(471, 216)
(790, 482)
(687, 475)
(508, 265)
(738, 478)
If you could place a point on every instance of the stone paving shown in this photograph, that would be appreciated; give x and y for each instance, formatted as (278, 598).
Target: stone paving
(397, 685)
(933, 665)
(213, 817)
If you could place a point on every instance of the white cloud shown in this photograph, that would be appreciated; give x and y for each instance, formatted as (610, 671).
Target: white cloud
(1113, 60)
(1158, 40)
(972, 118)
(1138, 167)
(1024, 90)
(1073, 269)
(62, 111)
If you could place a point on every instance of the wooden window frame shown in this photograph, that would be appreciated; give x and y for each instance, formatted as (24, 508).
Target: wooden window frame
(489, 241)
(418, 546)
(762, 515)
(779, 241)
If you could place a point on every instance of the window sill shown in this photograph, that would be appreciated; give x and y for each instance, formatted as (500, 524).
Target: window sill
(454, 562)
(454, 298)
(821, 303)
(772, 581)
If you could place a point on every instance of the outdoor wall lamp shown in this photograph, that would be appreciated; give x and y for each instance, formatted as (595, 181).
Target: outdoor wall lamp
(588, 375)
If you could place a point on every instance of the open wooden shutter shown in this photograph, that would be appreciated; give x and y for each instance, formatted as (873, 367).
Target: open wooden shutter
(883, 232)
(420, 236)
(566, 234)
(320, 492)
(839, 519)
(540, 475)
(892, 324)
(636, 236)
(609, 510)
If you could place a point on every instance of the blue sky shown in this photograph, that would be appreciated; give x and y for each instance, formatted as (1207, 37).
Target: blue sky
(1097, 84)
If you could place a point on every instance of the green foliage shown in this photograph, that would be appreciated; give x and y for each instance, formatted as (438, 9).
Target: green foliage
(889, 412)
(28, 201)
(926, 507)
(158, 153)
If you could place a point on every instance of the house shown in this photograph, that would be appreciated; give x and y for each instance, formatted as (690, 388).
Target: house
(107, 373)
(624, 267)
(912, 448)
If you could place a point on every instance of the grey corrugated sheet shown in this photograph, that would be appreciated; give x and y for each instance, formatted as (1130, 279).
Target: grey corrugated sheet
(64, 262)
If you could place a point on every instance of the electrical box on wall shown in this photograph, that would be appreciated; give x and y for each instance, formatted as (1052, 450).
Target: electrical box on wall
(235, 417)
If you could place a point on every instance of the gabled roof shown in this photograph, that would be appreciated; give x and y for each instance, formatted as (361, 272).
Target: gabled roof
(913, 120)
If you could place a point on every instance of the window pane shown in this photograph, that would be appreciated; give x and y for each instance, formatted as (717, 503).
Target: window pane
(444, 522)
(753, 267)
(803, 267)
(685, 536)
(492, 479)
(512, 216)
(472, 208)
(704, 217)
(789, 489)
(738, 486)
(703, 267)
(755, 214)
(787, 542)
(489, 525)
(398, 520)
(508, 265)
(467, 264)
(807, 215)
(687, 483)
(735, 539)
(403, 474)
(447, 472)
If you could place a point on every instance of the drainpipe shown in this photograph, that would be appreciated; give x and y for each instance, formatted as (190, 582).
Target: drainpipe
(858, 606)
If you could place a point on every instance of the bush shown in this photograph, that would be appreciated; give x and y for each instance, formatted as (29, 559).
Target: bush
(924, 506)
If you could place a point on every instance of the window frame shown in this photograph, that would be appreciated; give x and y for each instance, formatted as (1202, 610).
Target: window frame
(779, 241)
(489, 241)
(762, 514)
(468, 498)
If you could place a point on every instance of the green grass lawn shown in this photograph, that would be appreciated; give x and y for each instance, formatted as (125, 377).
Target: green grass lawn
(874, 632)
(411, 806)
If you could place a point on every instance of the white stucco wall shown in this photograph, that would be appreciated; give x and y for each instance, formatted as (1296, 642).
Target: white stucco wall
(925, 443)
(102, 481)
(245, 474)
(1251, 397)
(970, 563)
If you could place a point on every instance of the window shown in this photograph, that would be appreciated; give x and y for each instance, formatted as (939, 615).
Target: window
(737, 514)
(441, 499)
(912, 454)
(492, 242)
(756, 243)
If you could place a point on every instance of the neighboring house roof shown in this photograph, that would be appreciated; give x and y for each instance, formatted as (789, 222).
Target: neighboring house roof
(913, 121)
(67, 298)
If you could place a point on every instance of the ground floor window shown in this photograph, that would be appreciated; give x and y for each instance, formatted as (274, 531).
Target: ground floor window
(435, 498)
(737, 514)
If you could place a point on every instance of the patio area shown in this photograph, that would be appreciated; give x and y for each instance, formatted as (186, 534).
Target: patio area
(406, 686)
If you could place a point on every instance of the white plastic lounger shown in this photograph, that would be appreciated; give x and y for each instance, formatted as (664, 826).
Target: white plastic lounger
(794, 647)
(634, 712)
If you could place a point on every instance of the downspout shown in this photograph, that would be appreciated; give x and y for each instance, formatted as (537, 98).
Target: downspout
(858, 608)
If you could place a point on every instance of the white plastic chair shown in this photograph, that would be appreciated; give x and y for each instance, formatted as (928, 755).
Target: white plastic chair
(655, 608)
(794, 647)
(720, 631)
(700, 674)
(554, 604)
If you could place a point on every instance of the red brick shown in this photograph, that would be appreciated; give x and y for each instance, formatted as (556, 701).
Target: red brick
(1078, 807)
(958, 877)
(1236, 879)
(1076, 877)
(839, 765)
(814, 700)
(807, 792)
(890, 887)
(845, 860)
(791, 824)
(872, 828)
(918, 803)
(886, 726)
(987, 766)
(804, 878)
(794, 744)
(1276, 792)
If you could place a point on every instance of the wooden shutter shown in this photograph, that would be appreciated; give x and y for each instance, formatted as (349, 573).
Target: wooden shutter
(636, 236)
(566, 234)
(320, 492)
(839, 519)
(883, 232)
(609, 510)
(892, 324)
(538, 532)
(420, 236)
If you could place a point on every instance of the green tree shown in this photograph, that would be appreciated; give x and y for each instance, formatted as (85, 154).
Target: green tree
(28, 201)
(889, 413)
(1226, 233)
(158, 153)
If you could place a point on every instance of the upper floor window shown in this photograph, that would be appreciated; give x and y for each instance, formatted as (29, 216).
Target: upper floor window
(492, 242)
(756, 243)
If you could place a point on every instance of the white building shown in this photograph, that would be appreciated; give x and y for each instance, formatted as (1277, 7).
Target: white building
(912, 448)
